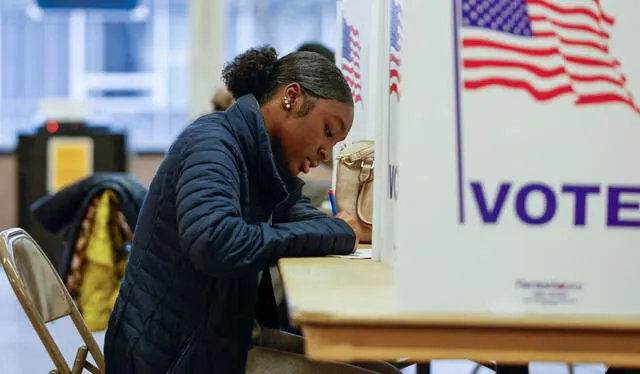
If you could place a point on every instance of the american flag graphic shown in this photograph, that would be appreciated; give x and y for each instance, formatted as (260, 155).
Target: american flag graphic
(550, 48)
(395, 41)
(351, 59)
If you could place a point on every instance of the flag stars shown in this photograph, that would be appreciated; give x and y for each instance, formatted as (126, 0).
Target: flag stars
(523, 23)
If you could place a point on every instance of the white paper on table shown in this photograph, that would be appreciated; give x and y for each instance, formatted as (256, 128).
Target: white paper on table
(360, 253)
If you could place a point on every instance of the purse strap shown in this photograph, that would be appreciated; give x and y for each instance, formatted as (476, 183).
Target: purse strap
(366, 176)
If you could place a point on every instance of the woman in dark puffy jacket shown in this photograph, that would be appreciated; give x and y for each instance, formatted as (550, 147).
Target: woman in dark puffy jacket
(224, 205)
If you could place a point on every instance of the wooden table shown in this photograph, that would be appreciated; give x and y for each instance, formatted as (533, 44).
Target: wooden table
(346, 311)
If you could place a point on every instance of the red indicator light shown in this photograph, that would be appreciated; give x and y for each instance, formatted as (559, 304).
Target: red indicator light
(52, 127)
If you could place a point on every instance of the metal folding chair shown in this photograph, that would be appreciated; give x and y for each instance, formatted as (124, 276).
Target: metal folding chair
(44, 299)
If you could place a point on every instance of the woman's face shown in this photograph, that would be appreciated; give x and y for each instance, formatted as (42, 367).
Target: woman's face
(307, 139)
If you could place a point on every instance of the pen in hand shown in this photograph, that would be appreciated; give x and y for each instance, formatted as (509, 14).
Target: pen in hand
(332, 199)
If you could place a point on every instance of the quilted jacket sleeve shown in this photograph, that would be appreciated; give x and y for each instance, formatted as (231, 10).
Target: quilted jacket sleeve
(302, 210)
(213, 232)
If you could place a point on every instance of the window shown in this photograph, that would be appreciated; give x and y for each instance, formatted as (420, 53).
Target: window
(283, 24)
(131, 66)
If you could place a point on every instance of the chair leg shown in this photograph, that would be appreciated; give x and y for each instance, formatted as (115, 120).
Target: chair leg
(81, 358)
(423, 368)
(512, 369)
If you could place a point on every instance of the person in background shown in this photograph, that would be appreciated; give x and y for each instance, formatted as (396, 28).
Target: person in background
(224, 205)
(318, 48)
(222, 99)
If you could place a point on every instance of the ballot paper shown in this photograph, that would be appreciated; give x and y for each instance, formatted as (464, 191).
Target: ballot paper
(361, 253)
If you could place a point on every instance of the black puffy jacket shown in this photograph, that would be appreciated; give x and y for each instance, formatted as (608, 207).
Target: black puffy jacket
(62, 213)
(187, 300)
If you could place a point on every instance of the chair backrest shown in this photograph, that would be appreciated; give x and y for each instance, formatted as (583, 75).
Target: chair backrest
(42, 293)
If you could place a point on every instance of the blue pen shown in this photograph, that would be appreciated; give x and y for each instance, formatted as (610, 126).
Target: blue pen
(332, 199)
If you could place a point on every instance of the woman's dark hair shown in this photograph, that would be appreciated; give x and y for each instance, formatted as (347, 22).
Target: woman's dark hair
(258, 71)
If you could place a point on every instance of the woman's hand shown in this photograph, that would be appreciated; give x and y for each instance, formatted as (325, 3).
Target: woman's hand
(351, 221)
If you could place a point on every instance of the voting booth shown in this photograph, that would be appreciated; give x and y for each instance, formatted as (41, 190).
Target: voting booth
(368, 54)
(518, 129)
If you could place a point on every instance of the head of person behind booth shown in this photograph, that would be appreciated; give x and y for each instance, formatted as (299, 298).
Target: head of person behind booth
(224, 205)
(222, 99)
(318, 48)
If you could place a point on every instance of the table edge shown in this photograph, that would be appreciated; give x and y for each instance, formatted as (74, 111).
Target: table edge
(555, 322)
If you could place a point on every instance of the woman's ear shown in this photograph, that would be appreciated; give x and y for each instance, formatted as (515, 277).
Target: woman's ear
(293, 95)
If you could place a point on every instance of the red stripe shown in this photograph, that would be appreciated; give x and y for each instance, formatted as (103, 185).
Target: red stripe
(588, 61)
(568, 26)
(583, 28)
(605, 16)
(395, 59)
(606, 98)
(357, 98)
(580, 43)
(544, 34)
(352, 83)
(350, 70)
(572, 10)
(599, 78)
(540, 72)
(394, 73)
(394, 89)
(482, 43)
(539, 95)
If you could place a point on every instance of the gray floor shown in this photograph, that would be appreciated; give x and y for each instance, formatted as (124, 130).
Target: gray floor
(22, 353)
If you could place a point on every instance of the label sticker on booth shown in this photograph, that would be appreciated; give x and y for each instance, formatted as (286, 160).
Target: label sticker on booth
(69, 159)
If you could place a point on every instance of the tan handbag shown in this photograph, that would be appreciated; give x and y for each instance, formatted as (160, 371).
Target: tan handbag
(354, 184)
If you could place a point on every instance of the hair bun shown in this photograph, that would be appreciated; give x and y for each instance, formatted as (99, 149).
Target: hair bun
(251, 72)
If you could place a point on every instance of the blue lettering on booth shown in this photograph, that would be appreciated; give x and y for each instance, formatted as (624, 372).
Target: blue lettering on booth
(620, 199)
(394, 182)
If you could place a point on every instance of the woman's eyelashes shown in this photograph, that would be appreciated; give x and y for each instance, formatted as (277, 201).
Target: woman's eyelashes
(327, 132)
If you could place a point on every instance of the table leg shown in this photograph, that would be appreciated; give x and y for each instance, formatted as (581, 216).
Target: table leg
(424, 368)
(512, 369)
